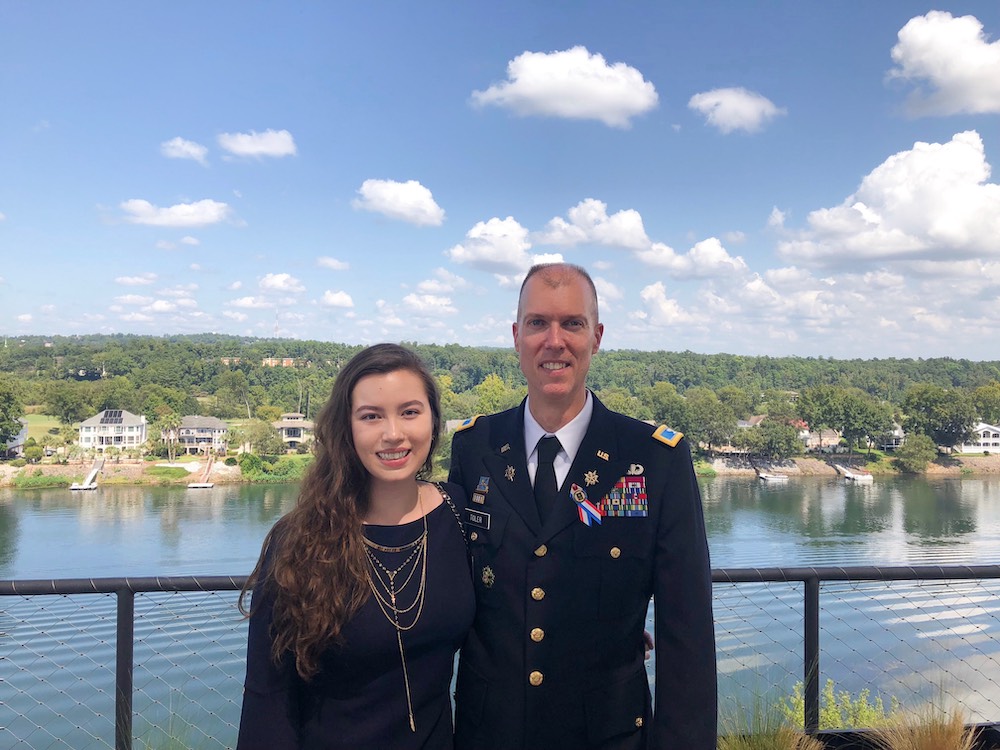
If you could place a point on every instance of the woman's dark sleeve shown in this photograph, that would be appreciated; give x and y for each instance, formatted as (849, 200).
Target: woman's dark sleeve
(269, 718)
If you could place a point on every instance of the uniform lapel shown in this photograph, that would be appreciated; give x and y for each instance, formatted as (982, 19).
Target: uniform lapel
(507, 465)
(598, 465)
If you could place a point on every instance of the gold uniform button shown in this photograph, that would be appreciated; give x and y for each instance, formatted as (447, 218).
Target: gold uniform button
(537, 594)
(638, 721)
(616, 553)
(537, 634)
(542, 551)
(535, 678)
(474, 536)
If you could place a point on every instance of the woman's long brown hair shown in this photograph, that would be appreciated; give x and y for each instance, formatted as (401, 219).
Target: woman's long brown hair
(318, 572)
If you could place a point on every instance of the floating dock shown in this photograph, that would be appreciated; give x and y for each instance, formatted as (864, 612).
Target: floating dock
(204, 484)
(852, 475)
(90, 483)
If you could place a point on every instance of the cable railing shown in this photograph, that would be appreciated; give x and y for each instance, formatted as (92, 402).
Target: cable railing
(155, 649)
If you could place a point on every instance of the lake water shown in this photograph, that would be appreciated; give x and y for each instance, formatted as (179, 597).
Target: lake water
(901, 639)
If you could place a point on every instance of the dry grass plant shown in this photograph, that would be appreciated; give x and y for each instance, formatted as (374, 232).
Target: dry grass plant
(762, 726)
(928, 729)
(782, 738)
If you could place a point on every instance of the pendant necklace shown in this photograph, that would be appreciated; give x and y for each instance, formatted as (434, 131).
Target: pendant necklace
(387, 591)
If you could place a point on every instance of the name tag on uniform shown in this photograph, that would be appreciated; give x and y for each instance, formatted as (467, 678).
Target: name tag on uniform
(477, 518)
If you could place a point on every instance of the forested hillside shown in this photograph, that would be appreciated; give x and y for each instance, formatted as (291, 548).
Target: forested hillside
(249, 378)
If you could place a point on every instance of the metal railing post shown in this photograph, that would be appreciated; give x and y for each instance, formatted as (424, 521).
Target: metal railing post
(810, 647)
(124, 653)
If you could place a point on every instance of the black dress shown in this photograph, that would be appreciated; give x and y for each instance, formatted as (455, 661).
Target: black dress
(358, 699)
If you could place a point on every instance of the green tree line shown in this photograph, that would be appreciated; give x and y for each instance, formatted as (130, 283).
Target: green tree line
(74, 377)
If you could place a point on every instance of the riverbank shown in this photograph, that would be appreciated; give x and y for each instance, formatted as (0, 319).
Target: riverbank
(125, 471)
(138, 472)
(958, 466)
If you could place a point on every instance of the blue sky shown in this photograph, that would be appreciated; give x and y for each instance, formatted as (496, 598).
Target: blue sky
(766, 178)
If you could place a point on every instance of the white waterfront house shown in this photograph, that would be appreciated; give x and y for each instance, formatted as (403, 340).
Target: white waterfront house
(294, 429)
(113, 428)
(986, 439)
(202, 435)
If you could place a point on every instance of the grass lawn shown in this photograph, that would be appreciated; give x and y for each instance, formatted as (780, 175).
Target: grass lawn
(40, 424)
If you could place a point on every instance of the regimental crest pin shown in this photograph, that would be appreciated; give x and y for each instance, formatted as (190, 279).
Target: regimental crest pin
(590, 478)
(509, 473)
(488, 577)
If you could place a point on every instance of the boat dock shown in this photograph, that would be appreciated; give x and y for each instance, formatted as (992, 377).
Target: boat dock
(853, 475)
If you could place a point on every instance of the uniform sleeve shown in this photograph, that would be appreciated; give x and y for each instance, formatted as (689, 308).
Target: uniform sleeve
(267, 721)
(685, 715)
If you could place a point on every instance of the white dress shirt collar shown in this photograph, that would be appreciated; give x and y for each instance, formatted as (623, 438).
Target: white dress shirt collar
(570, 437)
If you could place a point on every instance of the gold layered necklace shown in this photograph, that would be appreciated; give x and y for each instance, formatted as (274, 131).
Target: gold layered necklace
(388, 589)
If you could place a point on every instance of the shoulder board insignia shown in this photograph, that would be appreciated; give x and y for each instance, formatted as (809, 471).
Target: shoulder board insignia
(467, 423)
(665, 435)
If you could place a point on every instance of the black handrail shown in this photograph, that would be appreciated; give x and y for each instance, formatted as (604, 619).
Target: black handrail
(126, 588)
(811, 578)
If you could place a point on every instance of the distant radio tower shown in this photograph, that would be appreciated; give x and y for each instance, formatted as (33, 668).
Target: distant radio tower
(276, 325)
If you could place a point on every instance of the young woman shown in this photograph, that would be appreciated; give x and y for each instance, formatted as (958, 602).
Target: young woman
(362, 593)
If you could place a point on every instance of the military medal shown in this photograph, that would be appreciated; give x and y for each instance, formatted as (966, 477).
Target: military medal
(509, 473)
(587, 510)
(627, 499)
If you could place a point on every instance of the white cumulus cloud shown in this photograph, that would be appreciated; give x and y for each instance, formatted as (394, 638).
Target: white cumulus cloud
(706, 259)
(269, 143)
(929, 203)
(251, 303)
(662, 311)
(197, 214)
(179, 148)
(497, 245)
(280, 282)
(732, 109)
(407, 201)
(951, 64)
(337, 299)
(588, 221)
(574, 84)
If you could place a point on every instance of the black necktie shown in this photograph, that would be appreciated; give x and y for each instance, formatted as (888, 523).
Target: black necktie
(546, 488)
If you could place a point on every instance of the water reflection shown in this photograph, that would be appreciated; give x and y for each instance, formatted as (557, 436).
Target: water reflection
(806, 521)
(823, 521)
(8, 534)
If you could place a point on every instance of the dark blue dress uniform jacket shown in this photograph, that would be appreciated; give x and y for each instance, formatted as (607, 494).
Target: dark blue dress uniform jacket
(555, 658)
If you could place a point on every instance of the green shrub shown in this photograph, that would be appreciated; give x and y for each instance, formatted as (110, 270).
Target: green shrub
(840, 710)
(39, 481)
(18, 463)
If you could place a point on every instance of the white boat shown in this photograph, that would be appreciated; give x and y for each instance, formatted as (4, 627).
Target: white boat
(83, 486)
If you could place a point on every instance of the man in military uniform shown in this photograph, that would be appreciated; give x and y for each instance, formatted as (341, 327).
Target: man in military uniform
(564, 576)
